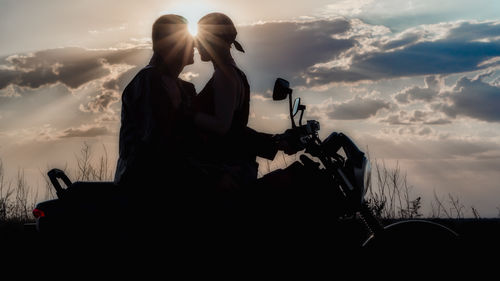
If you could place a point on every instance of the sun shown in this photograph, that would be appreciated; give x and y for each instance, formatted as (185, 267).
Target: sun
(193, 28)
(192, 10)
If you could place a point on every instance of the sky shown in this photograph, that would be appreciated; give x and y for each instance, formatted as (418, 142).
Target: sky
(416, 83)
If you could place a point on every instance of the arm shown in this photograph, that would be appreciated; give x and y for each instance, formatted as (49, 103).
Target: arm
(224, 105)
(262, 144)
(267, 145)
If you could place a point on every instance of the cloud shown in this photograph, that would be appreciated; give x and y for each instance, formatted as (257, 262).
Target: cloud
(309, 53)
(8, 77)
(108, 92)
(85, 131)
(107, 117)
(321, 52)
(265, 96)
(70, 66)
(425, 94)
(433, 50)
(80, 81)
(473, 98)
(123, 26)
(286, 49)
(348, 7)
(416, 117)
(439, 121)
(395, 119)
(419, 143)
(468, 97)
(47, 132)
(425, 131)
(101, 102)
(490, 62)
(357, 108)
(188, 76)
(9, 92)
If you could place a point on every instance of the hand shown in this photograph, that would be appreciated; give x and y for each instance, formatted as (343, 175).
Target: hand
(287, 147)
(289, 142)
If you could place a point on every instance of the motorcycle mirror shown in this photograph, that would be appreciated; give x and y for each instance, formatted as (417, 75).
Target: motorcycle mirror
(296, 105)
(281, 89)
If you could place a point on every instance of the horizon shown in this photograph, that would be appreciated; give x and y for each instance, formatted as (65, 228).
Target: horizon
(417, 84)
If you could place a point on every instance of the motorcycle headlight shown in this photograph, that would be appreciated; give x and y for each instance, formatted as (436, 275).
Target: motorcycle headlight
(367, 177)
(363, 177)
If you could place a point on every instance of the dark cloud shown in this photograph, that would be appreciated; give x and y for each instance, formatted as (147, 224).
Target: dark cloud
(286, 49)
(431, 58)
(471, 31)
(425, 131)
(310, 53)
(461, 51)
(119, 83)
(8, 77)
(425, 94)
(416, 117)
(70, 66)
(470, 97)
(473, 98)
(395, 119)
(439, 121)
(111, 84)
(357, 108)
(406, 40)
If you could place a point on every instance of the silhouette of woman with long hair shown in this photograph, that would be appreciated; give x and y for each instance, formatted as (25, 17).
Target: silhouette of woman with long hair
(223, 105)
(223, 109)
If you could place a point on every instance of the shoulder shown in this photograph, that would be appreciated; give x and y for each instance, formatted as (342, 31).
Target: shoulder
(226, 77)
(145, 74)
(188, 86)
(140, 83)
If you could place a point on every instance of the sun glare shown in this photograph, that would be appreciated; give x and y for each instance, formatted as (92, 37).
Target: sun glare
(193, 28)
(192, 10)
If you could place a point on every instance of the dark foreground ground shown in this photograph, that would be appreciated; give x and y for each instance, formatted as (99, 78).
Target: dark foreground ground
(27, 255)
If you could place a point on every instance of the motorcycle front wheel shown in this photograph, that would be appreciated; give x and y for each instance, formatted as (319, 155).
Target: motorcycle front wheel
(407, 241)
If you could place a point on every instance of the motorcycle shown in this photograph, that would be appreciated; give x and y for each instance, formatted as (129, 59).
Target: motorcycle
(351, 176)
(327, 206)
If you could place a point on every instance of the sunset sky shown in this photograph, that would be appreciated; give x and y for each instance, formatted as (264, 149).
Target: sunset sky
(414, 82)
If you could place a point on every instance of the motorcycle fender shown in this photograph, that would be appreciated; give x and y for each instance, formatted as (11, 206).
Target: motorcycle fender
(416, 234)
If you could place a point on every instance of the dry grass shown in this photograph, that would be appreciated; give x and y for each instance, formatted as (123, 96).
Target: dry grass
(14, 197)
(17, 198)
(390, 196)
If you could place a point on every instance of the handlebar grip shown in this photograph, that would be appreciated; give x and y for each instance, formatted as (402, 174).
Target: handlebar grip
(56, 174)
